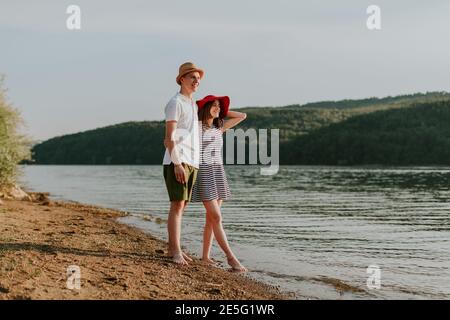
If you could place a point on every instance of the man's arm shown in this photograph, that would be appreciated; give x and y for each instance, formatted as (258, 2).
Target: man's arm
(170, 144)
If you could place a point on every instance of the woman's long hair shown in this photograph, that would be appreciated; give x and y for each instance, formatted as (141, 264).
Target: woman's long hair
(205, 113)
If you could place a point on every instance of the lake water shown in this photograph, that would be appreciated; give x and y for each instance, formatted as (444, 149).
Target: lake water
(308, 230)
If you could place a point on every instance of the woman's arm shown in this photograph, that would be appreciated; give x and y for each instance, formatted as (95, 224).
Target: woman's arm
(234, 118)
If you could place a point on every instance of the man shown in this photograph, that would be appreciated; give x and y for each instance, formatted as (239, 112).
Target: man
(182, 157)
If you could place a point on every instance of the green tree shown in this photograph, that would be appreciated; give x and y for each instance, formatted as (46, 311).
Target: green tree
(14, 147)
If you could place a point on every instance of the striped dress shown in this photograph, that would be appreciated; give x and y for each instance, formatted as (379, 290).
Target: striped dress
(211, 183)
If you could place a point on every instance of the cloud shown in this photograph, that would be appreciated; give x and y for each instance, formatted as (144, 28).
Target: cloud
(259, 52)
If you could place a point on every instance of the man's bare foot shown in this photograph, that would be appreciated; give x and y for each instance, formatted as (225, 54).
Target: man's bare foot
(178, 259)
(186, 257)
(236, 266)
(210, 261)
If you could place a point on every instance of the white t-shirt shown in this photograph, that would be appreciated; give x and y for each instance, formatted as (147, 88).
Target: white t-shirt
(184, 111)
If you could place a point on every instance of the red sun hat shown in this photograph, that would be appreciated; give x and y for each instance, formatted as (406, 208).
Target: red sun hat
(224, 104)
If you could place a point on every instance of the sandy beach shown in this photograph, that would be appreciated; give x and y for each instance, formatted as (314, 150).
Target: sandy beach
(39, 239)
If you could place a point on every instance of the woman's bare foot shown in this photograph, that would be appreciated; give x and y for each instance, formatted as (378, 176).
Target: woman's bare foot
(236, 265)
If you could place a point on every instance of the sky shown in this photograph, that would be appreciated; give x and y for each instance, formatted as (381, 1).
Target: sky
(122, 64)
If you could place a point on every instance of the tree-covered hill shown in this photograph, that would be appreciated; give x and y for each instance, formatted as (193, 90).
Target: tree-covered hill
(306, 134)
(400, 100)
(417, 135)
(125, 143)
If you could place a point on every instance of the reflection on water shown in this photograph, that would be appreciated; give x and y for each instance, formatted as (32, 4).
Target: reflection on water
(311, 230)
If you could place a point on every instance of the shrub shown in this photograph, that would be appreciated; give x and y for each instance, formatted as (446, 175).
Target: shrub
(14, 147)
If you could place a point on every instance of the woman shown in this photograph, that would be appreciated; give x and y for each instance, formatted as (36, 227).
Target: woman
(212, 187)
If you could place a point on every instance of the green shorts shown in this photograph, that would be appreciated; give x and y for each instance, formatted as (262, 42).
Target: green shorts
(180, 191)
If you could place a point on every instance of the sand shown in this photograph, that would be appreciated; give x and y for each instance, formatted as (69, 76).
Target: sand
(40, 239)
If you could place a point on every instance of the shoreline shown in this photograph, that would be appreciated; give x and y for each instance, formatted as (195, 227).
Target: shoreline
(39, 239)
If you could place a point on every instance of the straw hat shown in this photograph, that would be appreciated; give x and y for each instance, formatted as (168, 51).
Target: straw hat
(186, 68)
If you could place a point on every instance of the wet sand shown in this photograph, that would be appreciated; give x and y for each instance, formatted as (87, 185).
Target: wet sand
(39, 239)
